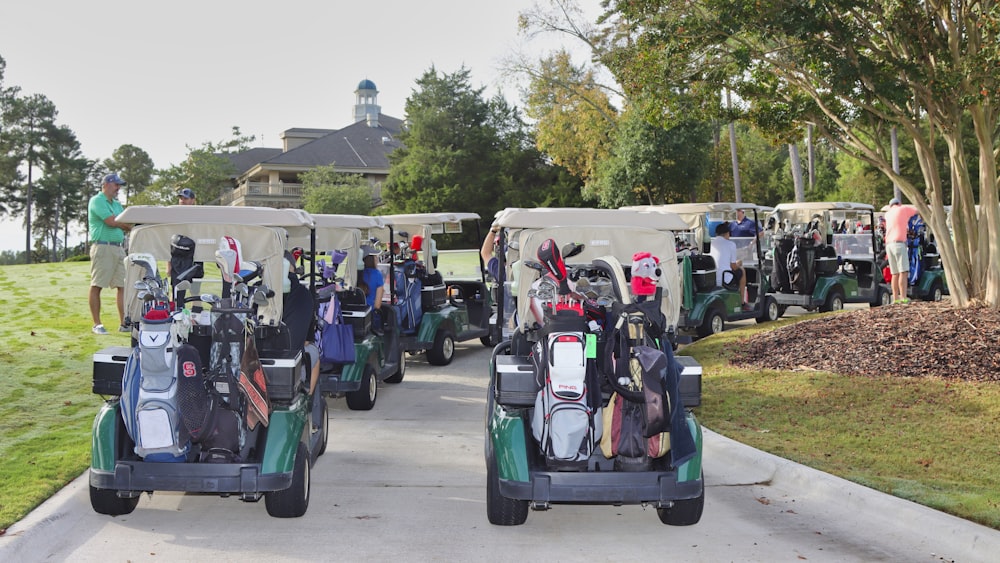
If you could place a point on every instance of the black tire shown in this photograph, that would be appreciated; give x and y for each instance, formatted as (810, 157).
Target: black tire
(401, 372)
(834, 301)
(936, 292)
(442, 352)
(490, 340)
(771, 311)
(107, 501)
(364, 399)
(883, 298)
(500, 510)
(293, 501)
(713, 323)
(683, 512)
(325, 428)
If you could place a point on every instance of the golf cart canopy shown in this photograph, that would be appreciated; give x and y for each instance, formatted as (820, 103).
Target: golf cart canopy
(614, 233)
(423, 224)
(345, 233)
(262, 234)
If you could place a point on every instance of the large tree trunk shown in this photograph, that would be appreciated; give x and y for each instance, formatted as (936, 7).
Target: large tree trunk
(793, 156)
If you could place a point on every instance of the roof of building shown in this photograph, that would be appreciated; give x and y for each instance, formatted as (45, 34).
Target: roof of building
(366, 85)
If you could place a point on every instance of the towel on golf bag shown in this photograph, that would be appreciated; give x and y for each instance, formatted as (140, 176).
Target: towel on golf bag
(210, 420)
(149, 386)
(253, 386)
(565, 422)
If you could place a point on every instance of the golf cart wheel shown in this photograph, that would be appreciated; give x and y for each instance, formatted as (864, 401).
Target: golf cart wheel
(401, 372)
(107, 501)
(489, 340)
(713, 323)
(771, 311)
(684, 512)
(500, 510)
(936, 292)
(324, 427)
(884, 298)
(443, 350)
(364, 399)
(834, 301)
(293, 501)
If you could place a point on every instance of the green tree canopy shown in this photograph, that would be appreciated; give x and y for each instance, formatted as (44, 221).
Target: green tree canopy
(134, 166)
(325, 190)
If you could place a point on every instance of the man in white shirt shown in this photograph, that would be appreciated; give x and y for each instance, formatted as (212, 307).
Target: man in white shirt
(723, 251)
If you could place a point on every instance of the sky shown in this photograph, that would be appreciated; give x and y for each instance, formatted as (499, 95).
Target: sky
(165, 76)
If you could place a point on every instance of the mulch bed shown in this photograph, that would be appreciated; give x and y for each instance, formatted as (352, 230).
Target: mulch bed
(920, 339)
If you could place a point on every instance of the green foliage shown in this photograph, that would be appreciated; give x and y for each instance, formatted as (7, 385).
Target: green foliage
(324, 190)
(652, 165)
(134, 166)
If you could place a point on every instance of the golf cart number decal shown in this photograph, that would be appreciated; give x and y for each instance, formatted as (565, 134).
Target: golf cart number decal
(188, 369)
(600, 242)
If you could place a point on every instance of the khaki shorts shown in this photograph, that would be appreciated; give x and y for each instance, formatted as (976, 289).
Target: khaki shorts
(107, 265)
(898, 256)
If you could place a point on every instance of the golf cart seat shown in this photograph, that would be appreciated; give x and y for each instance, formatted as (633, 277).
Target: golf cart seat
(703, 271)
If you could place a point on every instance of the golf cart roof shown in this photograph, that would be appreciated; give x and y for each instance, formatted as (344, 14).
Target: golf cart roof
(328, 220)
(683, 208)
(224, 214)
(540, 218)
(818, 206)
(428, 218)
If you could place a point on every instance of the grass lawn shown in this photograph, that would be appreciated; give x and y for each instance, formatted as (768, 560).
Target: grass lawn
(934, 442)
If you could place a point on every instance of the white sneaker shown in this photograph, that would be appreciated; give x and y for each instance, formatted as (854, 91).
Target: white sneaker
(99, 329)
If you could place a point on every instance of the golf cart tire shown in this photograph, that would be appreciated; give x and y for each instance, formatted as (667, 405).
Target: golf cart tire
(293, 501)
(401, 372)
(834, 301)
(107, 501)
(884, 298)
(500, 510)
(684, 512)
(325, 429)
(771, 312)
(936, 292)
(442, 352)
(713, 323)
(364, 398)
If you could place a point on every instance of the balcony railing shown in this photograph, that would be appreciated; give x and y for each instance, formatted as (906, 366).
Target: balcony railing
(259, 191)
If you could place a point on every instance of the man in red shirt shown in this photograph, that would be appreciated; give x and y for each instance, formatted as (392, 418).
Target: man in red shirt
(896, 219)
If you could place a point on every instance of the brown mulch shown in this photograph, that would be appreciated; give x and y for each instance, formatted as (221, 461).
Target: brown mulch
(916, 340)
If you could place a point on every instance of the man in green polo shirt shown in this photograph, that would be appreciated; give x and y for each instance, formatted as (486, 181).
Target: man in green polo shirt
(107, 250)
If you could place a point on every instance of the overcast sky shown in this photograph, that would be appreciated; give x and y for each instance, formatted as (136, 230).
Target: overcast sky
(167, 75)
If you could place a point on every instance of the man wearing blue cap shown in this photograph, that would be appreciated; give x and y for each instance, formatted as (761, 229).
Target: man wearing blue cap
(186, 197)
(107, 249)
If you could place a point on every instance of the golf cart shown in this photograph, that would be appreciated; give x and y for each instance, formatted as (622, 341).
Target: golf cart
(707, 305)
(378, 355)
(925, 278)
(435, 313)
(824, 254)
(211, 402)
(590, 327)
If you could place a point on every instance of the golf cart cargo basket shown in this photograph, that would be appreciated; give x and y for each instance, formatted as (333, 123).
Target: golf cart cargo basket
(690, 383)
(703, 272)
(826, 265)
(516, 382)
(433, 297)
(109, 368)
(285, 372)
(932, 261)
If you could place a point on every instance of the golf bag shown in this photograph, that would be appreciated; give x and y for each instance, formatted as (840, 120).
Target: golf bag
(149, 403)
(211, 421)
(916, 232)
(409, 286)
(567, 416)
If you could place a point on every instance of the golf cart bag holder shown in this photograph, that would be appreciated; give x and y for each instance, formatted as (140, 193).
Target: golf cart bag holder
(356, 312)
(703, 271)
(150, 402)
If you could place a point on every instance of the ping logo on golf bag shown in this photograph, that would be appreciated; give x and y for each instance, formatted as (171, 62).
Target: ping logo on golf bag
(564, 421)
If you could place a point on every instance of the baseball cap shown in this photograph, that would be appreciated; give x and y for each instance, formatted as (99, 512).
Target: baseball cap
(368, 250)
(894, 201)
(114, 178)
(186, 193)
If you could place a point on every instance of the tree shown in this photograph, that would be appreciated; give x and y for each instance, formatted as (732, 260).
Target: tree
(134, 166)
(325, 190)
(853, 69)
(61, 195)
(9, 159)
(652, 165)
(461, 152)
